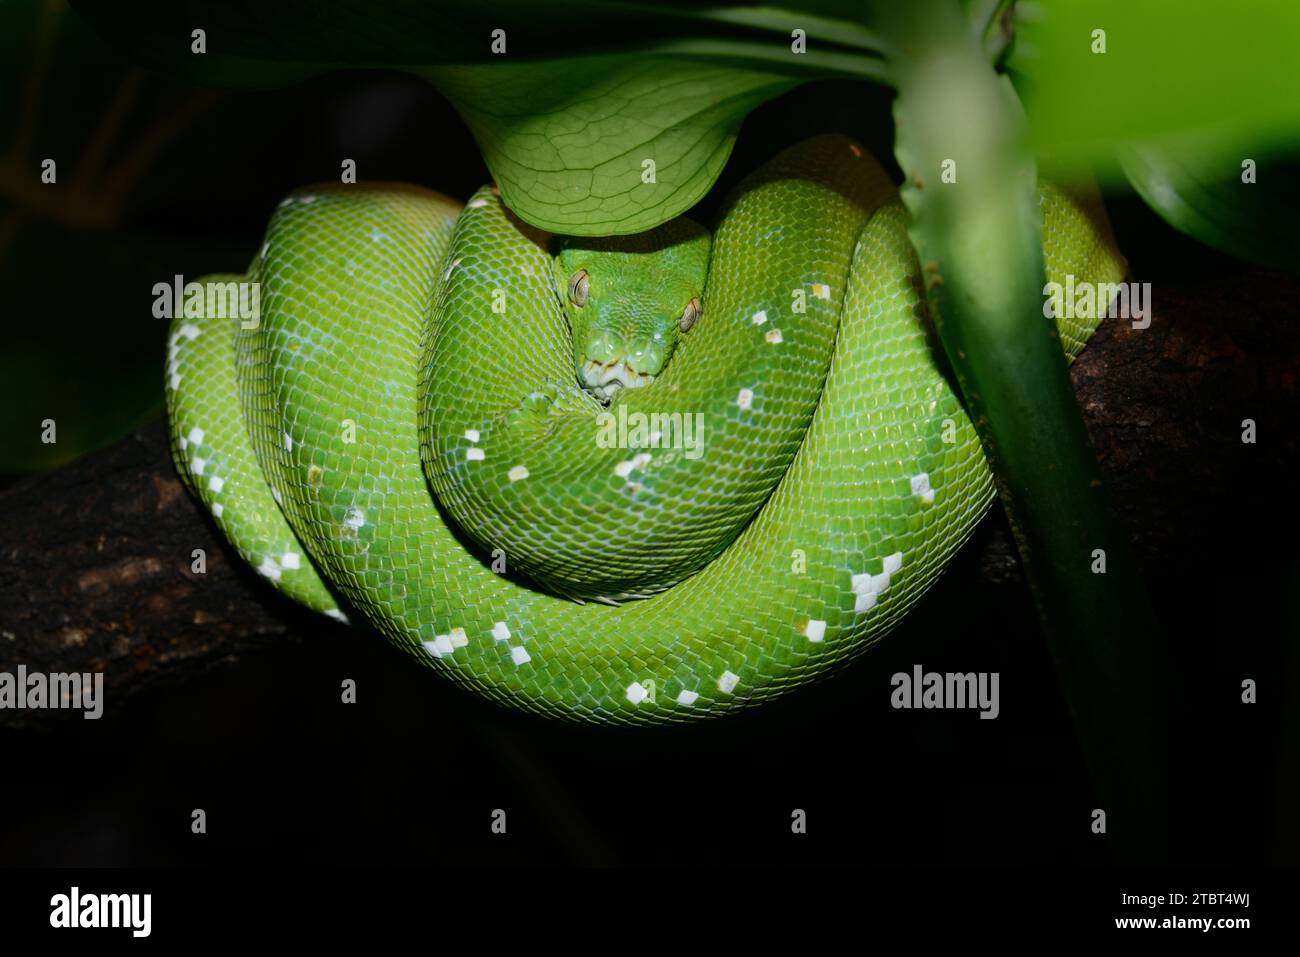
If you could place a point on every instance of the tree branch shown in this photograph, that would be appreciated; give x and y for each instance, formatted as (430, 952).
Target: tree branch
(96, 575)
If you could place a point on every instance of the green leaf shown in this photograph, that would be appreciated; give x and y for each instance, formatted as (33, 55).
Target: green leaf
(1203, 192)
(247, 41)
(598, 118)
(605, 145)
(1183, 94)
(1226, 71)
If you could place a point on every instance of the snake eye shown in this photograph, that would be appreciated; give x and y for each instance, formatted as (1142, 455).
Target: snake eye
(690, 315)
(579, 287)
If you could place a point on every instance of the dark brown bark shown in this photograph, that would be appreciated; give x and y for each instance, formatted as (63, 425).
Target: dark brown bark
(95, 566)
(96, 575)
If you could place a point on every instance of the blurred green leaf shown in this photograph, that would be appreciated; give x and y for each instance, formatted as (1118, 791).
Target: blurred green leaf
(1202, 192)
(1225, 71)
(1181, 94)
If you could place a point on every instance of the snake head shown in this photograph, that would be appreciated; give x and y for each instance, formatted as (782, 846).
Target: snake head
(629, 299)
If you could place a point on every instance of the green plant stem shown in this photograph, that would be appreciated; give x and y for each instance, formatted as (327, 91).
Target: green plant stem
(978, 240)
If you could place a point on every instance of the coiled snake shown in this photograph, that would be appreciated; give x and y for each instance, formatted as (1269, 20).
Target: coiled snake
(416, 431)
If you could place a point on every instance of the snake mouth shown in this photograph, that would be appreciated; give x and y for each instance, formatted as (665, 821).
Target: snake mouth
(604, 381)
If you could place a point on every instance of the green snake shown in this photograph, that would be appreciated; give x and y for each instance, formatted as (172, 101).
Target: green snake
(638, 479)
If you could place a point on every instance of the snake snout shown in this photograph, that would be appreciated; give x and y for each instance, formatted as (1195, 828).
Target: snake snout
(609, 364)
(604, 380)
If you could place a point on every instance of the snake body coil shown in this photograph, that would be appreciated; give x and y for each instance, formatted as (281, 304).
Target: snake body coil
(404, 435)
